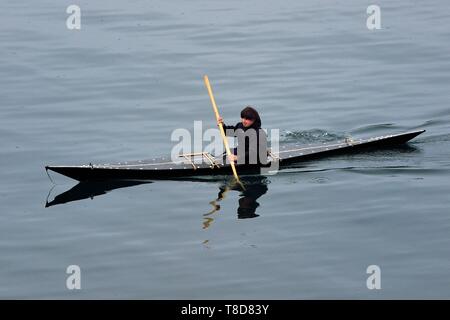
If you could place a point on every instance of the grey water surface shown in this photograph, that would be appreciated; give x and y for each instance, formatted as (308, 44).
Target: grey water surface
(116, 89)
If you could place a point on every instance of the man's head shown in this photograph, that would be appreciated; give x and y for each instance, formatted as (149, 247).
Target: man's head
(250, 117)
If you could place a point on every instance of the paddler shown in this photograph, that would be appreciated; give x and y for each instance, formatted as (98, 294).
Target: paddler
(252, 139)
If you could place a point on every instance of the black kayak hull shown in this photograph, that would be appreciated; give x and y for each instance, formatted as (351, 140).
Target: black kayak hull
(157, 170)
(95, 173)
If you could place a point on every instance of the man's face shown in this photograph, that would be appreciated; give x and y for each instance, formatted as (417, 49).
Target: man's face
(247, 122)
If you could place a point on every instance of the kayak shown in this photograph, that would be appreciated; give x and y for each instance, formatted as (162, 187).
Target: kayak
(186, 166)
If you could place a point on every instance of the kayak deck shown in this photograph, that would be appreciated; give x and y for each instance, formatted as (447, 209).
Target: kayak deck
(163, 168)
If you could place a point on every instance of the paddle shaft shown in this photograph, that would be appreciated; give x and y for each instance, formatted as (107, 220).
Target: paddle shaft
(222, 131)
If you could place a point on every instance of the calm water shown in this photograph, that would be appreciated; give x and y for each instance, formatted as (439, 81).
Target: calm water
(116, 89)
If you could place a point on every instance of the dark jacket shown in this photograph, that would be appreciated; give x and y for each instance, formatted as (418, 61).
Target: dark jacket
(256, 151)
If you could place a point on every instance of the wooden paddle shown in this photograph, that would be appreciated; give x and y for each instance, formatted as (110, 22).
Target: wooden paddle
(222, 131)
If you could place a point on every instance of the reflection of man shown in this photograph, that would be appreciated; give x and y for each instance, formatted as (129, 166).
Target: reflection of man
(247, 208)
(248, 204)
(255, 187)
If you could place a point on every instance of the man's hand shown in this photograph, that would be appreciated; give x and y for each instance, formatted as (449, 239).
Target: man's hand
(233, 157)
(219, 121)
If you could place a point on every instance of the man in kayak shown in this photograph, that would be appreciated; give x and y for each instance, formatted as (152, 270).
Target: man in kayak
(252, 139)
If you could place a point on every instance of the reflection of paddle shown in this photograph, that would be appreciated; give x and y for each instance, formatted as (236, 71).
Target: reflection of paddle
(216, 207)
(222, 131)
(231, 185)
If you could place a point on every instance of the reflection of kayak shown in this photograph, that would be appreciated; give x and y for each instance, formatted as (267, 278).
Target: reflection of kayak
(86, 190)
(186, 167)
(255, 187)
